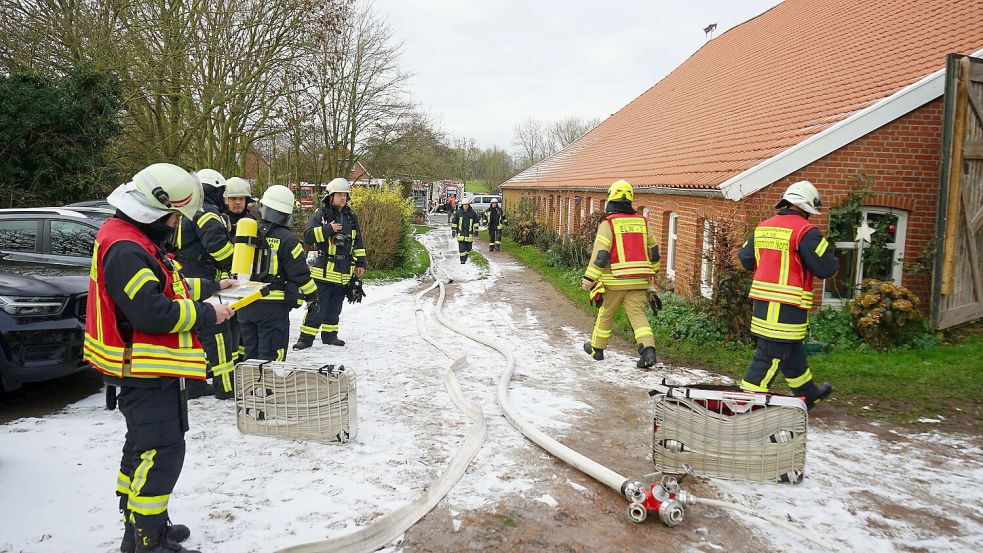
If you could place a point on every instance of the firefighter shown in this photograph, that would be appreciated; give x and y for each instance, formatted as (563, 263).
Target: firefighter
(496, 224)
(451, 207)
(265, 324)
(786, 252)
(465, 228)
(624, 264)
(142, 338)
(238, 202)
(334, 231)
(204, 250)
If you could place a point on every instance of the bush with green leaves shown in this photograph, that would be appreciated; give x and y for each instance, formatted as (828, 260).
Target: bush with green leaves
(834, 325)
(384, 215)
(682, 319)
(885, 314)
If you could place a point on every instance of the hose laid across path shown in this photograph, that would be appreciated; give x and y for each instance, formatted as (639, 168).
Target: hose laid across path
(390, 526)
(581, 462)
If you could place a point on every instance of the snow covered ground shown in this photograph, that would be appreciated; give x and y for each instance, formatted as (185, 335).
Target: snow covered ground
(246, 493)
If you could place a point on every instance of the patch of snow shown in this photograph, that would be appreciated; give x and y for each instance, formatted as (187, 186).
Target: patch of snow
(927, 420)
(250, 494)
(547, 499)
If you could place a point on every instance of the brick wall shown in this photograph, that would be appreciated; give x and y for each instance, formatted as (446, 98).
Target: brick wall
(901, 157)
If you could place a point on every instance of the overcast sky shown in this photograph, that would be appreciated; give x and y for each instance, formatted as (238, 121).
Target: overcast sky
(482, 66)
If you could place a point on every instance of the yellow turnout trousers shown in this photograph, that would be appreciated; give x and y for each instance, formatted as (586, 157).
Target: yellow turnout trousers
(635, 302)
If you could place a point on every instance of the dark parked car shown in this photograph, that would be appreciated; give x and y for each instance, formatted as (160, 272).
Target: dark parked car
(45, 254)
(50, 235)
(42, 321)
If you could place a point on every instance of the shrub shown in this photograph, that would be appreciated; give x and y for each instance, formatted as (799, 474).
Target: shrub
(835, 327)
(384, 215)
(884, 313)
(682, 319)
(729, 306)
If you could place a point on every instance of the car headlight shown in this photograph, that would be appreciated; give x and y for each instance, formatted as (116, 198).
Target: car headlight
(31, 306)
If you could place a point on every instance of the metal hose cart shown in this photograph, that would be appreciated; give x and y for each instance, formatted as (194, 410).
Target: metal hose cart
(726, 433)
(287, 400)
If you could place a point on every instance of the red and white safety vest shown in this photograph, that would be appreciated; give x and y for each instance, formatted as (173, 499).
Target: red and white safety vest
(779, 275)
(141, 355)
(629, 246)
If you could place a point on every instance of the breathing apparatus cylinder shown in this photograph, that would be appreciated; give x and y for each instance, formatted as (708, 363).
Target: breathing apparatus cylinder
(244, 251)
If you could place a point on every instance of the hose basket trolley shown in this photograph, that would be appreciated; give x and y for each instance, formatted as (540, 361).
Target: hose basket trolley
(727, 433)
(288, 400)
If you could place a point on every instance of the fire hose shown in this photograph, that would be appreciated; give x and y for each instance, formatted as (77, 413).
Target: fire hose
(390, 526)
(665, 498)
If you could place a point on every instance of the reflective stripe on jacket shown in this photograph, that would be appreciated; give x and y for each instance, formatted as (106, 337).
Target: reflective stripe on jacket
(779, 275)
(174, 354)
(629, 246)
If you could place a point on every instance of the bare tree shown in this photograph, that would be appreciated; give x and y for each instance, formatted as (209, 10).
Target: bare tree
(356, 88)
(201, 78)
(532, 138)
(566, 131)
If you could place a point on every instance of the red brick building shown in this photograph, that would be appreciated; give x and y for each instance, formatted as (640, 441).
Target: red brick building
(822, 90)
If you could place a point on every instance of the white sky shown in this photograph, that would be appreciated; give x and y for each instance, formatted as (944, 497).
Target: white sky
(480, 67)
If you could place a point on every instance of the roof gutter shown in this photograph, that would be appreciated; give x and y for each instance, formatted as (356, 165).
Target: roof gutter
(657, 190)
(846, 131)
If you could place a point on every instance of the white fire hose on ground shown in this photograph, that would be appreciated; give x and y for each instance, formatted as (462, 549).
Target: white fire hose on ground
(635, 491)
(390, 526)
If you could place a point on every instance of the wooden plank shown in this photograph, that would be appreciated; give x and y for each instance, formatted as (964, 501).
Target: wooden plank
(959, 315)
(976, 221)
(974, 104)
(955, 176)
(973, 149)
(976, 72)
(974, 254)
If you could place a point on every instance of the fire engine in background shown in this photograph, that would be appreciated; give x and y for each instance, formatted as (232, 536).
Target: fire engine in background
(305, 195)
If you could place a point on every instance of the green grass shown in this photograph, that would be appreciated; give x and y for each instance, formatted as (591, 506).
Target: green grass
(421, 229)
(478, 187)
(479, 260)
(415, 264)
(898, 386)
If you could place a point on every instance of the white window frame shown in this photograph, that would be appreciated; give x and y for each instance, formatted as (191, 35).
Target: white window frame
(559, 215)
(900, 236)
(706, 261)
(671, 245)
(569, 215)
(590, 209)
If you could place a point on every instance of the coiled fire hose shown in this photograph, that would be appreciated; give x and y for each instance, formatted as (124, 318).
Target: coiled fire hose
(390, 526)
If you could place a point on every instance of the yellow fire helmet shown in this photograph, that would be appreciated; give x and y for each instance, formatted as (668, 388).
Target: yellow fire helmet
(621, 190)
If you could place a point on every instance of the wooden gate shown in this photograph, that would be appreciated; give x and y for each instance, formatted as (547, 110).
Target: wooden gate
(957, 291)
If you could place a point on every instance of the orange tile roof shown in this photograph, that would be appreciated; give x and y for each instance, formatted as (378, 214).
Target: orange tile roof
(762, 87)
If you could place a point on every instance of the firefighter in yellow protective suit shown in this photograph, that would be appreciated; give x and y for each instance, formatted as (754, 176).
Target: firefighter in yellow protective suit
(141, 334)
(624, 264)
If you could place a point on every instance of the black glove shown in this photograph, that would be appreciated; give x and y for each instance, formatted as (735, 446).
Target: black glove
(655, 302)
(354, 291)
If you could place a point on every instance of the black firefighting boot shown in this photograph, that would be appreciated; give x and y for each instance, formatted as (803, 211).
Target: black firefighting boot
(596, 353)
(218, 383)
(175, 533)
(155, 540)
(303, 342)
(813, 393)
(331, 338)
(646, 357)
